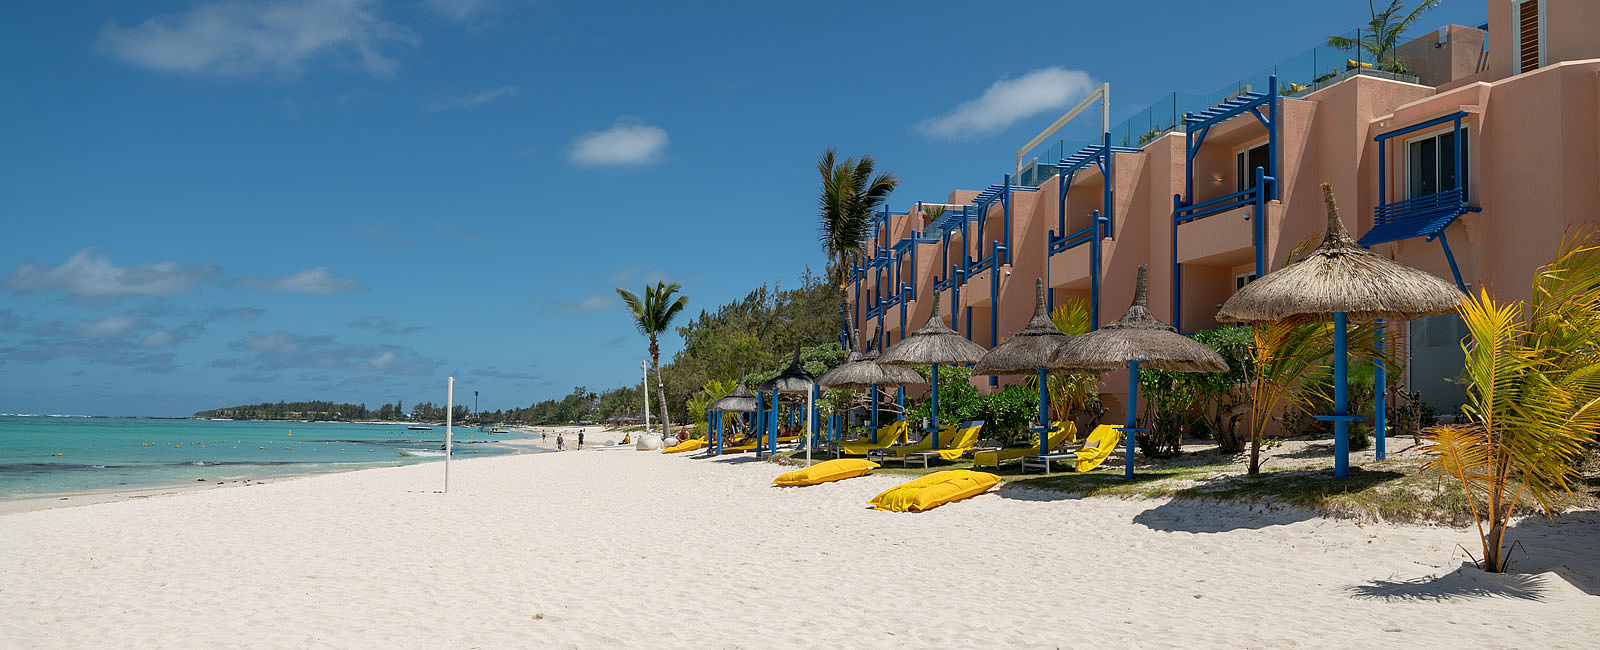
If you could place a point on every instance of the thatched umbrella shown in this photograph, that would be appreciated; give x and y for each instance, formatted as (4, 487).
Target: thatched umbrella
(794, 379)
(739, 401)
(1031, 349)
(863, 372)
(1345, 280)
(934, 343)
(1138, 338)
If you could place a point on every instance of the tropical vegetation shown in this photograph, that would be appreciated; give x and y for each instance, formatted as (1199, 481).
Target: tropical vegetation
(1383, 33)
(851, 190)
(1533, 396)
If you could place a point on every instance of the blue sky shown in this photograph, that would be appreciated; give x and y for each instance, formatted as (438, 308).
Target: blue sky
(218, 202)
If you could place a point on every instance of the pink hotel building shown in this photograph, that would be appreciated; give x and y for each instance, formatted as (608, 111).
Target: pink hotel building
(1473, 166)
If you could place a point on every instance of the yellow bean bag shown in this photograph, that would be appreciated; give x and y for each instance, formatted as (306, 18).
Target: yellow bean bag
(833, 470)
(934, 490)
(687, 445)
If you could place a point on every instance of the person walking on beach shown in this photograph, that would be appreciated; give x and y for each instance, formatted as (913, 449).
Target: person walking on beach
(543, 435)
(560, 441)
(580, 438)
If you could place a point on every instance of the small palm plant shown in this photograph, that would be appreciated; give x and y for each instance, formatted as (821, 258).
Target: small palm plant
(653, 314)
(1075, 393)
(1533, 395)
(931, 213)
(1382, 34)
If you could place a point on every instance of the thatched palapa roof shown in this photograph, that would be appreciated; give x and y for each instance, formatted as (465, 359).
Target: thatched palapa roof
(934, 342)
(741, 400)
(793, 379)
(1341, 276)
(1031, 348)
(1137, 336)
(862, 372)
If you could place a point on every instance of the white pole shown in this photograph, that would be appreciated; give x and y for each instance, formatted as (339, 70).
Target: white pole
(811, 436)
(449, 420)
(645, 365)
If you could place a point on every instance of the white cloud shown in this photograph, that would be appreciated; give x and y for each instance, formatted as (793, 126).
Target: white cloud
(235, 38)
(159, 339)
(475, 99)
(588, 305)
(628, 142)
(461, 10)
(319, 281)
(90, 274)
(110, 327)
(1008, 101)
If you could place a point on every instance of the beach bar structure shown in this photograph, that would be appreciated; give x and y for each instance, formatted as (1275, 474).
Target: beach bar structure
(1470, 162)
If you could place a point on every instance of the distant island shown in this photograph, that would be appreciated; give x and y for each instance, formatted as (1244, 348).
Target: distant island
(330, 411)
(620, 405)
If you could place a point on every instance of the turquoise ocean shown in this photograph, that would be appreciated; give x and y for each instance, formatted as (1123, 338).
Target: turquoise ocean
(46, 454)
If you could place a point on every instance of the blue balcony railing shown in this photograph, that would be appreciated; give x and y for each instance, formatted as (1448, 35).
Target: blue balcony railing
(1423, 216)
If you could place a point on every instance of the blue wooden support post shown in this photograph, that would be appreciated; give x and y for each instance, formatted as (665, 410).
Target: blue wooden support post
(873, 390)
(934, 411)
(716, 447)
(994, 303)
(1005, 209)
(1131, 424)
(1044, 411)
(1341, 398)
(772, 425)
(1379, 385)
(1259, 213)
(1094, 272)
(1177, 269)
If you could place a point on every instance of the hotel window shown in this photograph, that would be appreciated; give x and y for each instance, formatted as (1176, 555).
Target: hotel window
(1245, 162)
(1243, 279)
(1431, 163)
(1530, 35)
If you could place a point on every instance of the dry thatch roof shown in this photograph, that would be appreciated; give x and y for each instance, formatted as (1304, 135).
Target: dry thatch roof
(793, 379)
(741, 400)
(861, 372)
(1137, 336)
(1031, 348)
(934, 342)
(1338, 276)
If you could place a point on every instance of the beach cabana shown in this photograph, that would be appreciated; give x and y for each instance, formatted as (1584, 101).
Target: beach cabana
(741, 400)
(1032, 349)
(932, 344)
(863, 372)
(1344, 280)
(1137, 339)
(794, 380)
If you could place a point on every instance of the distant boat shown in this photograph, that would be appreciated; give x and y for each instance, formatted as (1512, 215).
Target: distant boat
(414, 428)
(422, 453)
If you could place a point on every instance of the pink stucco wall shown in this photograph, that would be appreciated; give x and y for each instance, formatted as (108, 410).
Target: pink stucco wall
(1534, 141)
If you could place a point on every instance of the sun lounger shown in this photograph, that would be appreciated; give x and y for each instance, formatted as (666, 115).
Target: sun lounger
(896, 451)
(934, 490)
(887, 435)
(1096, 448)
(1060, 433)
(965, 437)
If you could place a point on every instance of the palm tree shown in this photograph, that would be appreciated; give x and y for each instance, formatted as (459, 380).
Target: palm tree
(1383, 33)
(653, 315)
(850, 193)
(1533, 395)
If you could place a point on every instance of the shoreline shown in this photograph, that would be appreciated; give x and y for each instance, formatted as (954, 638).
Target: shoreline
(32, 502)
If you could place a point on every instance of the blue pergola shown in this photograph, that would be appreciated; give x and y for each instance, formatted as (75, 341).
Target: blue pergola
(1059, 240)
(1424, 216)
(1265, 188)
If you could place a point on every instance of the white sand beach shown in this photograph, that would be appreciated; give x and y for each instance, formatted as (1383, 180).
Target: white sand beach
(626, 549)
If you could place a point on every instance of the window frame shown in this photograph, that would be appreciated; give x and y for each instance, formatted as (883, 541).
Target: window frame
(1242, 183)
(1405, 158)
